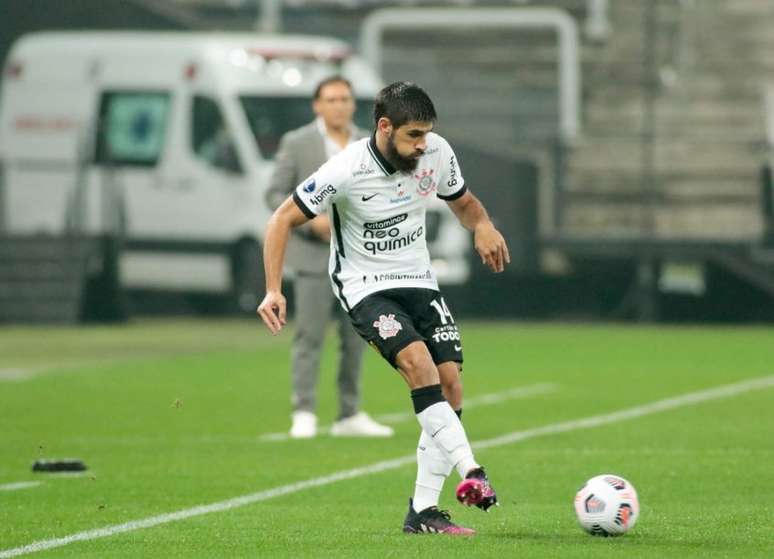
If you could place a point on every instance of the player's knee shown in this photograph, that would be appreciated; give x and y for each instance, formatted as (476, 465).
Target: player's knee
(417, 366)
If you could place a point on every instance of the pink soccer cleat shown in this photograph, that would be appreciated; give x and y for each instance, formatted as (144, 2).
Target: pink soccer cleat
(432, 521)
(476, 490)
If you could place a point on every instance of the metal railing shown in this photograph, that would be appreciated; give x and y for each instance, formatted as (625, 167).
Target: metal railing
(569, 75)
(597, 25)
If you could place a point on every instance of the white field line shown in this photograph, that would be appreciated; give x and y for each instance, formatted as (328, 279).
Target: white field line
(19, 485)
(476, 401)
(666, 404)
(17, 374)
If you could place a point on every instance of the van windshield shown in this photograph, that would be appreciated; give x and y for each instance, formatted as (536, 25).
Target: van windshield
(271, 117)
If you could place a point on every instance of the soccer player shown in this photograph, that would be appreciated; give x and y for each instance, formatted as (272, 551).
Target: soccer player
(375, 192)
(301, 152)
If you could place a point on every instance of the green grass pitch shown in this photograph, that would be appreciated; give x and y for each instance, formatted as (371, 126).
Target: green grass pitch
(168, 414)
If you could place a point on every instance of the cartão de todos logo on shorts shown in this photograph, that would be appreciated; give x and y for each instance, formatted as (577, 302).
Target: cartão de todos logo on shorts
(426, 182)
(388, 327)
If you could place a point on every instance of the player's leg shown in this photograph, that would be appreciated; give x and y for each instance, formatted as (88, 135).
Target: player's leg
(385, 323)
(450, 375)
(312, 313)
(434, 413)
(444, 343)
(432, 466)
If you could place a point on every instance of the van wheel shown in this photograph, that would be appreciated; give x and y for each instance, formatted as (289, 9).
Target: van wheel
(247, 283)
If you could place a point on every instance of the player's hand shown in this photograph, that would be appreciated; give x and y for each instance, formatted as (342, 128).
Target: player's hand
(321, 227)
(272, 311)
(491, 246)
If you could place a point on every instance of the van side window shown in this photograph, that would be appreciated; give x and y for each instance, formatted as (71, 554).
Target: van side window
(132, 127)
(270, 117)
(210, 137)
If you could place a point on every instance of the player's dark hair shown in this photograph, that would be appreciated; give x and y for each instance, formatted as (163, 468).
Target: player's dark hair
(403, 102)
(328, 81)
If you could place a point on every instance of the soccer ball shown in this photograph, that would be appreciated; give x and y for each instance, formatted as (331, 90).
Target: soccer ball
(607, 505)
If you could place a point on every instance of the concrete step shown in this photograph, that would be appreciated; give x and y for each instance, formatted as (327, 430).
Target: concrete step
(729, 222)
(33, 248)
(671, 155)
(745, 8)
(31, 270)
(673, 188)
(740, 123)
(42, 278)
(42, 289)
(58, 311)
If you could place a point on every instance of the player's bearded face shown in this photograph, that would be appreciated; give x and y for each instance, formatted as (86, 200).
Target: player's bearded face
(404, 163)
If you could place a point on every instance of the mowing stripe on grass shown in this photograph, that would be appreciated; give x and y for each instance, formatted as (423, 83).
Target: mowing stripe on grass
(666, 404)
(19, 485)
(16, 374)
(474, 402)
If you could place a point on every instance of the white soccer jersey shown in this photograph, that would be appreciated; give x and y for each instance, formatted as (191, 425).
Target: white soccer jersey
(378, 215)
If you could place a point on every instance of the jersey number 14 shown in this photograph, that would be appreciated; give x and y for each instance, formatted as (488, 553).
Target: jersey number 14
(443, 311)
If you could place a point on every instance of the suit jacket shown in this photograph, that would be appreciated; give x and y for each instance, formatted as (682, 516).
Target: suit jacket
(301, 152)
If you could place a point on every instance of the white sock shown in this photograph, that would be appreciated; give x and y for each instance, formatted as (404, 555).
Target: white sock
(432, 471)
(444, 427)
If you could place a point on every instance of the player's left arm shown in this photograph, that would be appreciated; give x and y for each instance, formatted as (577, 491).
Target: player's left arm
(488, 241)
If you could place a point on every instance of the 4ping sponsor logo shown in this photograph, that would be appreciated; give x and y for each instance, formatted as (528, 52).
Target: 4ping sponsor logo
(316, 200)
(452, 182)
(310, 186)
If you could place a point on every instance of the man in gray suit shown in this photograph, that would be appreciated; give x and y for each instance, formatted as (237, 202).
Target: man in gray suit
(300, 153)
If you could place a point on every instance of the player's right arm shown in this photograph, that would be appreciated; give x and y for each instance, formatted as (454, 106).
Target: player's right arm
(273, 308)
(310, 199)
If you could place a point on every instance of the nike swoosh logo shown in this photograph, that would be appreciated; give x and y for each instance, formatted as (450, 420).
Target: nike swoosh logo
(457, 347)
(367, 198)
(438, 431)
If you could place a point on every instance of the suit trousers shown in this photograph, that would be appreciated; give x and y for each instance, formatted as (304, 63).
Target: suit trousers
(314, 307)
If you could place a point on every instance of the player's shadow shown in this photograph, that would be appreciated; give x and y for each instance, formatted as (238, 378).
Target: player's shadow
(535, 537)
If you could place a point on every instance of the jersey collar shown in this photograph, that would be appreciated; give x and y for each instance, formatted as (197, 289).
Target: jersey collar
(385, 165)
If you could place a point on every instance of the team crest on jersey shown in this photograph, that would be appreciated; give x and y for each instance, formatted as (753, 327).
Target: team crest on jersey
(426, 183)
(388, 327)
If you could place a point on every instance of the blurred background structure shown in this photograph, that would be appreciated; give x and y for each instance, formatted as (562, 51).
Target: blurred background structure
(623, 146)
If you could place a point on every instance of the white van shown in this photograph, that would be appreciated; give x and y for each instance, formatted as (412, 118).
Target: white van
(166, 141)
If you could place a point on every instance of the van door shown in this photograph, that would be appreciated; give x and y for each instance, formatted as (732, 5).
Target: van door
(133, 155)
(217, 171)
(176, 206)
(131, 142)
